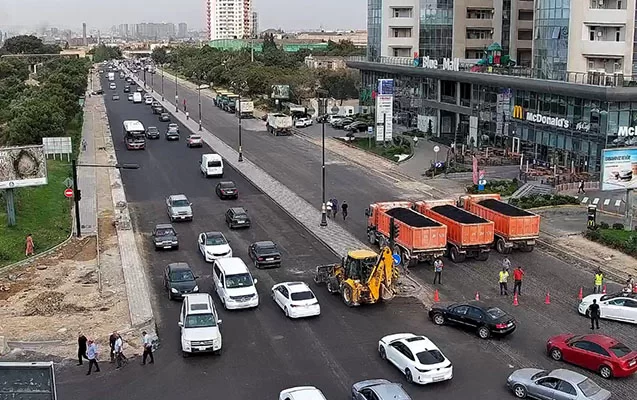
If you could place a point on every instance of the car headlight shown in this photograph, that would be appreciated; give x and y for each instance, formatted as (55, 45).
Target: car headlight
(195, 289)
(186, 344)
(174, 290)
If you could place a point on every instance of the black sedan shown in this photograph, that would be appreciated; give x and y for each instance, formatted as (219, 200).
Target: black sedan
(126, 89)
(237, 217)
(227, 190)
(265, 254)
(484, 319)
(164, 117)
(356, 127)
(152, 132)
(179, 280)
(165, 237)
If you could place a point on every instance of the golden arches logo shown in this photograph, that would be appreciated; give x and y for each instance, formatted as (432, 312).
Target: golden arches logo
(518, 113)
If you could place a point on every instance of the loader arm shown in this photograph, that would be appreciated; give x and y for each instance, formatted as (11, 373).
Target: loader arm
(381, 279)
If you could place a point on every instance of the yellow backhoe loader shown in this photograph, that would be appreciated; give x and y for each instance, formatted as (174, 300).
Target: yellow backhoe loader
(363, 277)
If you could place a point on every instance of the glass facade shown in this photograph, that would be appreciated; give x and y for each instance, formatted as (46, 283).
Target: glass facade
(436, 28)
(550, 45)
(374, 29)
(506, 27)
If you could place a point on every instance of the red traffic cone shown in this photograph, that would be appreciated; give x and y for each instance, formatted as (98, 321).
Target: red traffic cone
(515, 300)
(436, 296)
(604, 290)
(477, 296)
(547, 299)
(580, 295)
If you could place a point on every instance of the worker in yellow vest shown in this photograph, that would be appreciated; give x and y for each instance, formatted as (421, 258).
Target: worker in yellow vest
(504, 280)
(599, 281)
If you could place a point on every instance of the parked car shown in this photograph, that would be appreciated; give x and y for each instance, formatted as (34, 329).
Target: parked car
(356, 127)
(152, 132)
(617, 306)
(214, 245)
(378, 389)
(296, 299)
(157, 108)
(194, 141)
(227, 189)
(172, 134)
(126, 89)
(484, 319)
(165, 237)
(264, 254)
(557, 384)
(139, 89)
(600, 353)
(130, 97)
(341, 123)
(179, 208)
(148, 100)
(179, 280)
(301, 393)
(302, 122)
(132, 82)
(115, 97)
(98, 92)
(164, 117)
(237, 217)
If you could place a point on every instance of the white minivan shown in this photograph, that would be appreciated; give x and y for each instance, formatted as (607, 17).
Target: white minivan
(211, 165)
(137, 97)
(200, 325)
(234, 284)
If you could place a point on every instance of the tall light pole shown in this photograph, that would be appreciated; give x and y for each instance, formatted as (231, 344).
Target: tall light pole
(242, 88)
(199, 89)
(152, 82)
(323, 103)
(162, 83)
(176, 96)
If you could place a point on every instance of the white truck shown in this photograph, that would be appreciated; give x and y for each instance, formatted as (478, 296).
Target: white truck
(279, 124)
(111, 76)
(244, 108)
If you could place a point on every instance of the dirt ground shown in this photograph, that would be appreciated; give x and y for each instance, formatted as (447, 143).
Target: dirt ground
(58, 296)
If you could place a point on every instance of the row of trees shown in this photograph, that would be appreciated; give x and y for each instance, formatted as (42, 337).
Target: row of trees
(105, 53)
(272, 66)
(43, 107)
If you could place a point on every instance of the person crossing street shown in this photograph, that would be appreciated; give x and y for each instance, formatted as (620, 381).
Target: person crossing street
(92, 355)
(504, 280)
(594, 312)
(518, 274)
(344, 208)
(438, 266)
(328, 208)
(599, 281)
(148, 348)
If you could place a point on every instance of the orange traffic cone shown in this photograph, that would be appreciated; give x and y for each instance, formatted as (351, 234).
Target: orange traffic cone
(580, 295)
(436, 296)
(604, 290)
(515, 300)
(547, 299)
(477, 296)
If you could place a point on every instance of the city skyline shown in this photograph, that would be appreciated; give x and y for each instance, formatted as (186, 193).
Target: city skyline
(16, 15)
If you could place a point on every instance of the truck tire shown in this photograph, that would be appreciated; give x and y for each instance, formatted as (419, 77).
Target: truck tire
(371, 237)
(526, 248)
(500, 246)
(455, 255)
(482, 256)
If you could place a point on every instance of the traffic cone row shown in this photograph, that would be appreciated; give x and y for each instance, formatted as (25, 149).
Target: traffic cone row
(516, 302)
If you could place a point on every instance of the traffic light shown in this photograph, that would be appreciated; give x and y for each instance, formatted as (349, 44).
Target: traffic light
(78, 194)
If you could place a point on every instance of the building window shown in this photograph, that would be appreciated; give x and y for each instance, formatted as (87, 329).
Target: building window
(525, 15)
(402, 12)
(525, 34)
(473, 13)
(401, 32)
(402, 51)
(480, 33)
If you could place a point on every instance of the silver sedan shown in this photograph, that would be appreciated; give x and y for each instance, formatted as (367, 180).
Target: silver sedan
(559, 384)
(378, 389)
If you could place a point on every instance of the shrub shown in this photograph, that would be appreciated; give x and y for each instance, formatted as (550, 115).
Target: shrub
(624, 241)
(619, 227)
(603, 225)
(503, 187)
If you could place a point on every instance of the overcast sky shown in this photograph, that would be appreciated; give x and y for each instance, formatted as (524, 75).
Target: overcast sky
(102, 14)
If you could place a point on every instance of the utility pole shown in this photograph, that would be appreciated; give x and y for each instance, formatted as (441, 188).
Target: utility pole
(77, 195)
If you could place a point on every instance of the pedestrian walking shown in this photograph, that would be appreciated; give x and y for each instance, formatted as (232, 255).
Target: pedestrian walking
(187, 115)
(415, 141)
(328, 208)
(30, 247)
(83, 144)
(344, 208)
(438, 265)
(335, 207)
(111, 342)
(184, 105)
(518, 274)
(92, 354)
(118, 350)
(594, 312)
(81, 348)
(599, 281)
(506, 263)
(148, 348)
(580, 188)
(504, 280)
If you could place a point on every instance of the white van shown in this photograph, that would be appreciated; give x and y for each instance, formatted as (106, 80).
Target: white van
(200, 325)
(234, 284)
(211, 165)
(137, 97)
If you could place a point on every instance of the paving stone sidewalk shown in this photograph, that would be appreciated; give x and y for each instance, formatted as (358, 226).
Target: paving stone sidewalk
(87, 176)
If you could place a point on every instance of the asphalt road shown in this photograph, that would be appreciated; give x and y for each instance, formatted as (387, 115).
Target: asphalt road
(264, 352)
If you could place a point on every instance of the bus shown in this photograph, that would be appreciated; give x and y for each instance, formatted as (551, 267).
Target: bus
(134, 135)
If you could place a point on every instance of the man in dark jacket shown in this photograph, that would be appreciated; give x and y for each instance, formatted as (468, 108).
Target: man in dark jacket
(111, 341)
(81, 348)
(594, 314)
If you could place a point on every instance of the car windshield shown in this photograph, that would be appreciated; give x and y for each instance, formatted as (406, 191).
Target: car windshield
(165, 232)
(241, 215)
(620, 350)
(181, 203)
(539, 375)
(495, 313)
(573, 339)
(200, 321)
(226, 185)
(195, 137)
(216, 240)
(238, 281)
(181, 276)
(297, 296)
(430, 357)
(589, 388)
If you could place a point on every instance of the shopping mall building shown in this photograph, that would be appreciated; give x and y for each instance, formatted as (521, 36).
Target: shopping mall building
(566, 92)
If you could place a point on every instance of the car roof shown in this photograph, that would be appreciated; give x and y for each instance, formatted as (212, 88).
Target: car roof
(625, 295)
(603, 340)
(418, 343)
(568, 375)
(164, 226)
(178, 197)
(232, 265)
(296, 287)
(238, 210)
(179, 266)
(265, 243)
(304, 393)
(390, 391)
(214, 234)
(152, 127)
(199, 298)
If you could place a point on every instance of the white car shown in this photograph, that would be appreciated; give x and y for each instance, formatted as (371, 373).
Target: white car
(200, 325)
(417, 357)
(213, 245)
(296, 299)
(618, 306)
(302, 122)
(301, 393)
(148, 100)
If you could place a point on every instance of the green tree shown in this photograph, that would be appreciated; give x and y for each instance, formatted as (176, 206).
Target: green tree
(33, 118)
(341, 85)
(105, 53)
(159, 55)
(28, 44)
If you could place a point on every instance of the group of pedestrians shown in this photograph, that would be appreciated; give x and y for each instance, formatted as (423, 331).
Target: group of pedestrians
(87, 350)
(331, 208)
(503, 278)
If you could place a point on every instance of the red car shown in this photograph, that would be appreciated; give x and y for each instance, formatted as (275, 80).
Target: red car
(600, 353)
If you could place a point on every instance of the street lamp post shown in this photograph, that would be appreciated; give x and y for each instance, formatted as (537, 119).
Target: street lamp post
(176, 96)
(323, 102)
(162, 83)
(152, 82)
(77, 194)
(199, 89)
(242, 87)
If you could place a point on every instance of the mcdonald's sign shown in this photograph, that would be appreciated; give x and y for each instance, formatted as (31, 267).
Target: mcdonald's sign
(518, 113)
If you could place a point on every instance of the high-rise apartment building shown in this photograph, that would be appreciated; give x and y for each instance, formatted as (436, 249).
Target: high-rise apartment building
(182, 30)
(255, 24)
(229, 19)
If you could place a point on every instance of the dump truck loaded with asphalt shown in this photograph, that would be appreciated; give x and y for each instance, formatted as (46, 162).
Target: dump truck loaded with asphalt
(417, 239)
(468, 235)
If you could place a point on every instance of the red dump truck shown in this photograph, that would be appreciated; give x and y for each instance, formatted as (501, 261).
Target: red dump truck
(468, 235)
(514, 227)
(419, 238)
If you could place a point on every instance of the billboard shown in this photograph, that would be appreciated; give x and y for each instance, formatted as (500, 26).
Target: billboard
(386, 86)
(619, 168)
(22, 166)
(27, 381)
(281, 92)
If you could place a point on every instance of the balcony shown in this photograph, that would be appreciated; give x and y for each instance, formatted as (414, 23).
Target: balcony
(592, 16)
(478, 23)
(478, 43)
(603, 48)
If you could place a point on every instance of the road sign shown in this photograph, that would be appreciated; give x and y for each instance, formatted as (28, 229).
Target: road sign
(68, 192)
(436, 149)
(68, 182)
(396, 258)
(370, 130)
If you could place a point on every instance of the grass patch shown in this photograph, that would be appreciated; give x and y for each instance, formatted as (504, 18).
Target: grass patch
(618, 239)
(389, 152)
(503, 187)
(42, 211)
(543, 200)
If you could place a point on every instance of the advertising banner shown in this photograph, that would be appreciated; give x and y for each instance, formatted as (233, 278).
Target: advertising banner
(386, 86)
(384, 111)
(281, 92)
(619, 168)
(22, 166)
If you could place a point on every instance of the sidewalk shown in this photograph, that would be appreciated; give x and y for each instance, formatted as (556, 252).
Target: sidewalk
(87, 176)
